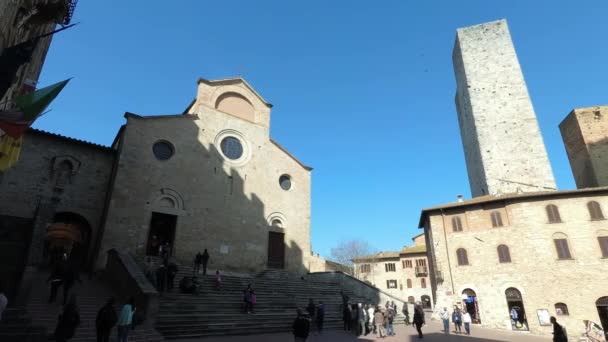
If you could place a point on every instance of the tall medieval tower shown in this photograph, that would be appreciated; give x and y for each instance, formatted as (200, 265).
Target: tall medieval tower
(503, 146)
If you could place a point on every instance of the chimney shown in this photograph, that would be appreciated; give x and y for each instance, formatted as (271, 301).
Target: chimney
(459, 197)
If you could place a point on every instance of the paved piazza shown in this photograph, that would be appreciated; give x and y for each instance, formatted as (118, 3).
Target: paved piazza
(432, 332)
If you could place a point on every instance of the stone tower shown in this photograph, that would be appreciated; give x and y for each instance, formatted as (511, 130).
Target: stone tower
(503, 146)
(585, 135)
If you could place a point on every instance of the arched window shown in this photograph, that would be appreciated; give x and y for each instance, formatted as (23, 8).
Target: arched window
(561, 246)
(553, 213)
(461, 255)
(595, 211)
(496, 219)
(411, 299)
(602, 238)
(503, 254)
(409, 283)
(456, 224)
(561, 309)
(423, 283)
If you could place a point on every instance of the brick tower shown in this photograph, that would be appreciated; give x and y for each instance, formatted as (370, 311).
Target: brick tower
(502, 142)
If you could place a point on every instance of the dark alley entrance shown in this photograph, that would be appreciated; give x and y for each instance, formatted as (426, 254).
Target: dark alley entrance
(162, 230)
(276, 250)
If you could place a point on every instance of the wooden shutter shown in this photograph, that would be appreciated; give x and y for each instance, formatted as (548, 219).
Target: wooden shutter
(603, 240)
(595, 211)
(409, 283)
(461, 255)
(563, 252)
(553, 214)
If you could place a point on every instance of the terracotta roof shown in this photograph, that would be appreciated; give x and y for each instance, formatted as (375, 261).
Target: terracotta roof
(73, 140)
(511, 197)
(413, 250)
(234, 80)
(290, 155)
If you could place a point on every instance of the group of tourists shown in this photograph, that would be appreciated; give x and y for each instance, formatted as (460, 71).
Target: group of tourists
(365, 319)
(458, 318)
(304, 319)
(316, 313)
(163, 277)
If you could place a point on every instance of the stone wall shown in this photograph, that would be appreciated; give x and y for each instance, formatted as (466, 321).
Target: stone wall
(223, 205)
(503, 146)
(585, 135)
(318, 264)
(534, 270)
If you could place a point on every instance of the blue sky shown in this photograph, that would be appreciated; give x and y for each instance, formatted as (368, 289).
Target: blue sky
(362, 91)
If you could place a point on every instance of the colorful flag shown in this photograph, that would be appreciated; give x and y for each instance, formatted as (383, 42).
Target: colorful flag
(9, 151)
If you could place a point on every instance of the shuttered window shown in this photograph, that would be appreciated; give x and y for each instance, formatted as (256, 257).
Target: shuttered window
(603, 240)
(423, 283)
(563, 252)
(391, 284)
(496, 219)
(408, 263)
(409, 283)
(595, 211)
(456, 224)
(365, 268)
(461, 255)
(504, 255)
(390, 267)
(553, 214)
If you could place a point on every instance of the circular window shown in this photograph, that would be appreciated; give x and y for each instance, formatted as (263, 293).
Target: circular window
(232, 148)
(285, 182)
(163, 150)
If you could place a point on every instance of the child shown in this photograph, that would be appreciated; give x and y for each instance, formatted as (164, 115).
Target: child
(218, 280)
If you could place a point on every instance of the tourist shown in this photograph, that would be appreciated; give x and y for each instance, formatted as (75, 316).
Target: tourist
(105, 321)
(172, 271)
(320, 316)
(218, 281)
(346, 316)
(457, 320)
(198, 259)
(406, 313)
(559, 333)
(361, 319)
(370, 319)
(153, 245)
(466, 319)
(254, 300)
(300, 327)
(247, 298)
(445, 317)
(390, 316)
(344, 298)
(149, 270)
(125, 320)
(161, 278)
(70, 277)
(56, 279)
(514, 316)
(68, 321)
(311, 308)
(418, 319)
(379, 322)
(205, 260)
(3, 301)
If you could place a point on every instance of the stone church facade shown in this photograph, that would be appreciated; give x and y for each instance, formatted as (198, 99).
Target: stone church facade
(209, 178)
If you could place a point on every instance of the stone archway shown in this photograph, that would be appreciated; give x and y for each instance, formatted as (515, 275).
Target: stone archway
(471, 305)
(517, 312)
(602, 309)
(69, 233)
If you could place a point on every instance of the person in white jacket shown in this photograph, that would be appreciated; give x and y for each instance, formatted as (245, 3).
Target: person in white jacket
(466, 319)
(370, 317)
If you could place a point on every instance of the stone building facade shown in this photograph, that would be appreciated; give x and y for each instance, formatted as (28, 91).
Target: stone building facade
(585, 135)
(503, 146)
(543, 253)
(211, 178)
(403, 274)
(57, 179)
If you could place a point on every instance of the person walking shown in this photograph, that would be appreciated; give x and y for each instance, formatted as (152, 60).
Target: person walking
(205, 260)
(198, 259)
(320, 316)
(56, 279)
(418, 319)
(218, 281)
(69, 279)
(311, 309)
(390, 316)
(379, 322)
(161, 278)
(68, 321)
(361, 319)
(300, 327)
(125, 320)
(370, 319)
(3, 301)
(406, 313)
(457, 320)
(247, 298)
(445, 317)
(559, 333)
(346, 316)
(466, 319)
(106, 319)
(172, 271)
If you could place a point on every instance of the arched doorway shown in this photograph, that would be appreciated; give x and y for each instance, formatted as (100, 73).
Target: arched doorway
(517, 313)
(470, 304)
(602, 310)
(69, 233)
(426, 302)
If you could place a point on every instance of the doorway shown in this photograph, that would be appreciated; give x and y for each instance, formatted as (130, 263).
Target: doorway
(517, 313)
(602, 311)
(426, 302)
(162, 230)
(69, 234)
(276, 250)
(470, 304)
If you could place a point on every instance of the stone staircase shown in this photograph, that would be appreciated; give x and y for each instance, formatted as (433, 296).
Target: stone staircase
(16, 326)
(212, 312)
(91, 295)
